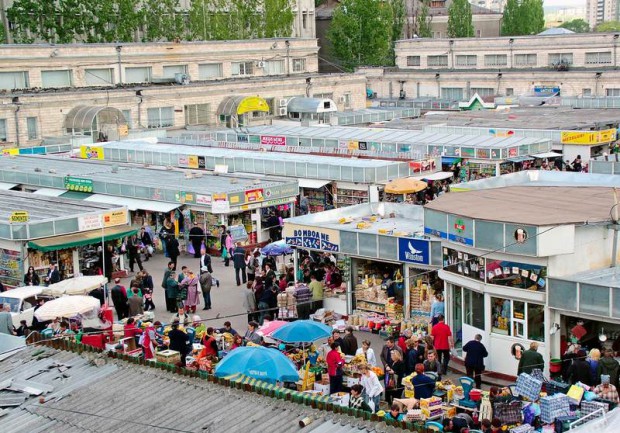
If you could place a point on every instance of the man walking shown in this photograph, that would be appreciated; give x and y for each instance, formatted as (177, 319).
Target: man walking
(474, 360)
(196, 236)
(239, 263)
(206, 281)
(119, 299)
(133, 251)
(530, 359)
(172, 247)
(205, 260)
(443, 342)
(147, 241)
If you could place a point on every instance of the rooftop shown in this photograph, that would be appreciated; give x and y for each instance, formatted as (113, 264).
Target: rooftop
(608, 277)
(533, 205)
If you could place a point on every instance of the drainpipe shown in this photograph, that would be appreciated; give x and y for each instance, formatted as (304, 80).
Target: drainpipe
(120, 63)
(288, 62)
(615, 47)
(139, 95)
(17, 108)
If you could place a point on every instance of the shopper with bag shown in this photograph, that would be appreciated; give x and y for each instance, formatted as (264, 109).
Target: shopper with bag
(393, 377)
(335, 362)
(146, 240)
(196, 236)
(228, 246)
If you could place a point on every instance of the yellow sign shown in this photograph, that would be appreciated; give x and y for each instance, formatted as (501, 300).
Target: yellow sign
(123, 130)
(91, 152)
(115, 218)
(588, 137)
(11, 151)
(192, 161)
(252, 103)
(19, 216)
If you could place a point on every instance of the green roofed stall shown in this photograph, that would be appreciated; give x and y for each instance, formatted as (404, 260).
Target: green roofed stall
(81, 239)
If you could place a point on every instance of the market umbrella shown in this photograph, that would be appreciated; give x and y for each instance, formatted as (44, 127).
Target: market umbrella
(271, 326)
(302, 331)
(407, 185)
(76, 286)
(67, 306)
(269, 365)
(277, 248)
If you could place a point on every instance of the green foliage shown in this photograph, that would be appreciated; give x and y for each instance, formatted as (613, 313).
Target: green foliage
(460, 24)
(361, 33)
(278, 18)
(525, 17)
(423, 21)
(161, 20)
(577, 26)
(608, 26)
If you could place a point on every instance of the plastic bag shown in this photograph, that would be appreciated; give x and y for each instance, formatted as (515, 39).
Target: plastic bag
(224, 253)
(150, 249)
(190, 249)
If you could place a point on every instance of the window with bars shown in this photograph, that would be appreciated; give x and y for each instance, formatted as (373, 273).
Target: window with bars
(602, 58)
(299, 65)
(197, 114)
(242, 68)
(209, 70)
(56, 79)
(14, 80)
(467, 60)
(437, 61)
(160, 117)
(171, 71)
(4, 137)
(525, 59)
(274, 67)
(483, 91)
(560, 58)
(413, 60)
(495, 60)
(99, 77)
(32, 124)
(613, 92)
(452, 93)
(138, 75)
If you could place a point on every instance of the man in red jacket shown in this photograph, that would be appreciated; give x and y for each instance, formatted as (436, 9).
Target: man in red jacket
(443, 342)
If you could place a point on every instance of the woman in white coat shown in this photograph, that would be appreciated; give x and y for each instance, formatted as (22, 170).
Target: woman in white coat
(372, 386)
(365, 350)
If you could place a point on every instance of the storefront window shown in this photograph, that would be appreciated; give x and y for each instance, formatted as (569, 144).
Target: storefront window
(380, 288)
(517, 319)
(517, 275)
(464, 264)
(474, 308)
(457, 316)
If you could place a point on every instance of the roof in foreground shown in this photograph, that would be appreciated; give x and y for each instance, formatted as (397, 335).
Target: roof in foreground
(608, 277)
(541, 178)
(90, 392)
(534, 205)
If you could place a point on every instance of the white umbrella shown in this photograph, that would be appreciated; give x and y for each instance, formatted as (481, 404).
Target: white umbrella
(77, 285)
(67, 306)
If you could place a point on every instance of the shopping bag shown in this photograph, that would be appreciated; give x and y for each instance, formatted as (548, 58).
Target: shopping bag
(575, 393)
(150, 249)
(224, 253)
(508, 413)
(190, 249)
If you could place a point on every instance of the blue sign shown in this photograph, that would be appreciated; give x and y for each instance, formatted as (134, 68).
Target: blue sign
(414, 251)
(461, 239)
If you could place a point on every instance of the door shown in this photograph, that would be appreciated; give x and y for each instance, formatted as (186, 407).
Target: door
(457, 317)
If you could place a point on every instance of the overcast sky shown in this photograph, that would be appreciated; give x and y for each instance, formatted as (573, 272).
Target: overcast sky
(567, 3)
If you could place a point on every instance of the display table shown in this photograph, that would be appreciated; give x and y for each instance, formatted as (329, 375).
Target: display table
(336, 305)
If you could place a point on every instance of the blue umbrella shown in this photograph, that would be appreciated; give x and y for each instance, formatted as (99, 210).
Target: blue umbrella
(260, 363)
(302, 331)
(277, 248)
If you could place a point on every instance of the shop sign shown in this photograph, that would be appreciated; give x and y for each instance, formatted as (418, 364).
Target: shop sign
(254, 195)
(273, 140)
(483, 153)
(468, 152)
(123, 130)
(220, 203)
(19, 216)
(183, 161)
(588, 137)
(268, 203)
(242, 138)
(414, 251)
(363, 145)
(202, 162)
(78, 184)
(91, 152)
(315, 238)
(203, 199)
(115, 218)
(460, 230)
(192, 161)
(9, 152)
(89, 222)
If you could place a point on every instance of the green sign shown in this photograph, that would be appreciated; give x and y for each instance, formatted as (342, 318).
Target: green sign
(78, 184)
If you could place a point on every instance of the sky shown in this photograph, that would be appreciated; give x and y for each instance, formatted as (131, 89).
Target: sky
(567, 3)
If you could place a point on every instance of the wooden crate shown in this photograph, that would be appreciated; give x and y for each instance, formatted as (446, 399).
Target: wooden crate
(168, 356)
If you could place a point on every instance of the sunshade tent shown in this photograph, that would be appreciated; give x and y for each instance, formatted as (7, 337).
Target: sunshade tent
(277, 248)
(270, 327)
(302, 331)
(67, 306)
(407, 185)
(76, 286)
(238, 105)
(81, 239)
(269, 365)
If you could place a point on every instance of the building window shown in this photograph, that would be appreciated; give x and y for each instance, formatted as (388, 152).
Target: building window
(517, 319)
(495, 60)
(209, 70)
(274, 67)
(438, 61)
(560, 59)
(478, 33)
(462, 263)
(3, 133)
(14, 80)
(525, 60)
(138, 75)
(161, 117)
(98, 77)
(452, 93)
(242, 68)
(413, 60)
(171, 71)
(483, 91)
(473, 306)
(469, 60)
(510, 91)
(304, 20)
(586, 92)
(33, 130)
(127, 116)
(197, 114)
(603, 58)
(613, 92)
(346, 98)
(299, 65)
(56, 79)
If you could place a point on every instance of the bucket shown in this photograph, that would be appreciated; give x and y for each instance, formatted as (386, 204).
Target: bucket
(371, 324)
(555, 365)
(475, 395)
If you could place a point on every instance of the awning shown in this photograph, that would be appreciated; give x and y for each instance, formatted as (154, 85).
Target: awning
(7, 186)
(82, 116)
(312, 183)
(233, 105)
(75, 195)
(520, 159)
(133, 203)
(81, 239)
(311, 105)
(547, 155)
(50, 192)
(440, 175)
(450, 159)
(352, 186)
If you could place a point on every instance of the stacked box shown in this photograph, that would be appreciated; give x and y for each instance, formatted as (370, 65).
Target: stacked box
(553, 406)
(523, 428)
(528, 386)
(587, 407)
(168, 356)
(448, 411)
(554, 387)
(431, 407)
(414, 415)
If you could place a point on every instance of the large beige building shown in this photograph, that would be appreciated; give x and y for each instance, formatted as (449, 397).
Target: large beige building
(598, 11)
(160, 85)
(577, 64)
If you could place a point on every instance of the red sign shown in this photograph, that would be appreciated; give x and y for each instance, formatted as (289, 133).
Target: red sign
(254, 195)
(273, 140)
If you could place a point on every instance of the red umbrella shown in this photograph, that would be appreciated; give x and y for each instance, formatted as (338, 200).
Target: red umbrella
(270, 327)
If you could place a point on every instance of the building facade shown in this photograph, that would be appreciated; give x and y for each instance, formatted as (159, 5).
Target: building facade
(598, 11)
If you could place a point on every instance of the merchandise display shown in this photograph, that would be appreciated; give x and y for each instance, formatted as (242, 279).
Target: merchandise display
(348, 197)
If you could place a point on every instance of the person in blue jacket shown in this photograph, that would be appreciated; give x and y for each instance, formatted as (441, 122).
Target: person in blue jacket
(474, 360)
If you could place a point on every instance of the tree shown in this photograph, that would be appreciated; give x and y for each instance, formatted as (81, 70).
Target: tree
(161, 20)
(577, 26)
(399, 16)
(460, 22)
(361, 33)
(511, 22)
(523, 17)
(278, 18)
(535, 16)
(423, 21)
(608, 26)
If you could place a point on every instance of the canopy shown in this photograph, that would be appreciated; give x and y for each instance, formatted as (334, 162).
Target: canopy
(76, 286)
(269, 365)
(520, 158)
(440, 175)
(302, 331)
(406, 185)
(312, 183)
(270, 327)
(7, 186)
(277, 248)
(82, 116)
(81, 239)
(133, 203)
(233, 105)
(311, 105)
(608, 423)
(547, 155)
(67, 306)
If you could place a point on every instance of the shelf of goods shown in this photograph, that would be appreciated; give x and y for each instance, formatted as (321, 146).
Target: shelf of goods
(420, 300)
(374, 299)
(41, 262)
(316, 200)
(10, 268)
(287, 304)
(349, 197)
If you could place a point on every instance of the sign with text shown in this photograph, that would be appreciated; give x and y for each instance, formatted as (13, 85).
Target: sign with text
(115, 218)
(414, 251)
(254, 195)
(91, 152)
(78, 184)
(313, 238)
(19, 216)
(192, 161)
(203, 199)
(89, 222)
(273, 140)
(588, 137)
(220, 203)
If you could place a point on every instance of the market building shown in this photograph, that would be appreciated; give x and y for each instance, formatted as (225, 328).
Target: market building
(37, 231)
(512, 255)
(246, 205)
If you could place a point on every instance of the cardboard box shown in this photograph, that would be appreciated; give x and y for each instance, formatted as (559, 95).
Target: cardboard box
(350, 381)
(323, 389)
(341, 399)
(168, 356)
